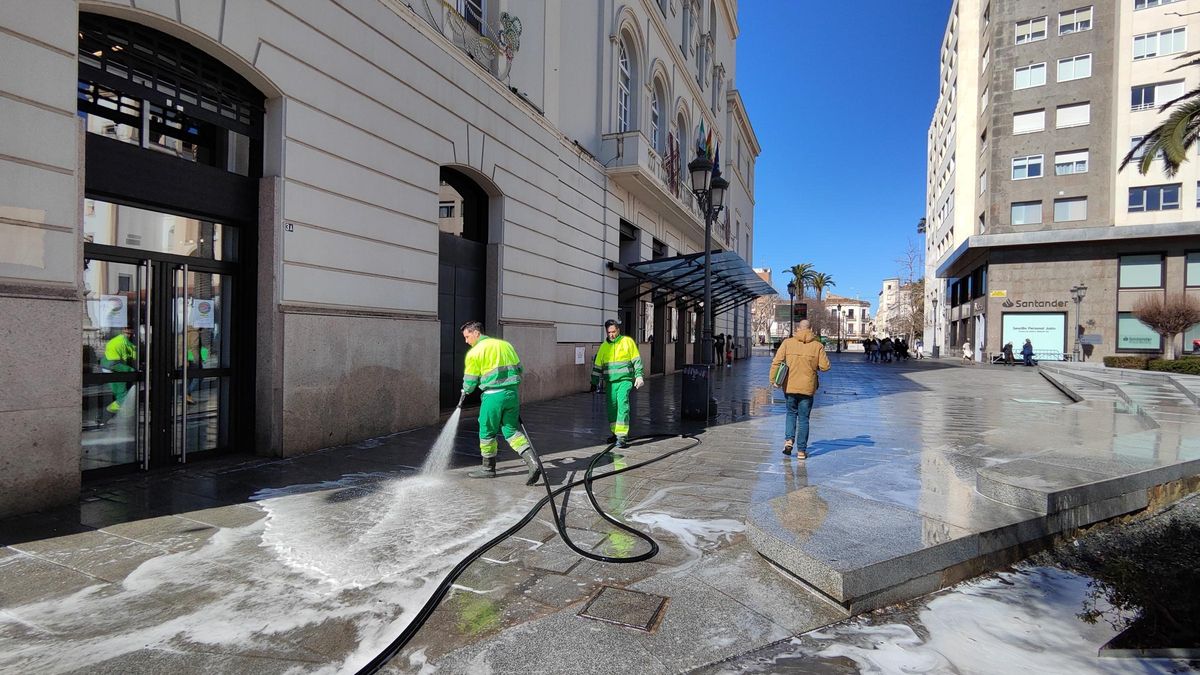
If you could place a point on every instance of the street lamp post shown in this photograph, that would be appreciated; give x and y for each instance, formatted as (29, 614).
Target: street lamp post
(711, 197)
(791, 308)
(933, 350)
(1077, 293)
(839, 344)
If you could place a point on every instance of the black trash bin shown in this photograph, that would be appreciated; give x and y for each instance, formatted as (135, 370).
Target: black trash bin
(697, 390)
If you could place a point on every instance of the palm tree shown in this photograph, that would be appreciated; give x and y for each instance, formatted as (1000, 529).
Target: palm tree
(820, 281)
(802, 274)
(1171, 139)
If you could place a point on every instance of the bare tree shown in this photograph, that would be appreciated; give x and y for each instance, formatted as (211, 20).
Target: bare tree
(1168, 316)
(910, 310)
(762, 315)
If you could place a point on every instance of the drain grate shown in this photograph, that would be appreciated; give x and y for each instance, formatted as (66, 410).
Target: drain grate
(631, 609)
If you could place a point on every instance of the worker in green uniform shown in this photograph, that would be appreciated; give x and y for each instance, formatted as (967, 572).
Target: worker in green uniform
(619, 366)
(120, 356)
(492, 366)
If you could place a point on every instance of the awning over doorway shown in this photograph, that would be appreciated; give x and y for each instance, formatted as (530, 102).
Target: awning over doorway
(681, 279)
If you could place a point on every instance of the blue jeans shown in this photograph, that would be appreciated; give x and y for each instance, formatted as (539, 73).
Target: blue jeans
(796, 423)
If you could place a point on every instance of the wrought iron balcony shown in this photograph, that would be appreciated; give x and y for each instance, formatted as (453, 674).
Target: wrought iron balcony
(639, 168)
(491, 41)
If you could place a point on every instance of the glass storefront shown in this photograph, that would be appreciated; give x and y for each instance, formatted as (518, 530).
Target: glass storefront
(157, 336)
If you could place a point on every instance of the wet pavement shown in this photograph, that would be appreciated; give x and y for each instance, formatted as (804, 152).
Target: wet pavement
(314, 564)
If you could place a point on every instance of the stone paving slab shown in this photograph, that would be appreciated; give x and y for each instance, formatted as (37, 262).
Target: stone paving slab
(310, 563)
(958, 505)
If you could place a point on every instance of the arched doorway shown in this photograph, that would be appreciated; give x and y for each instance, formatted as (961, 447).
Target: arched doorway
(173, 155)
(462, 271)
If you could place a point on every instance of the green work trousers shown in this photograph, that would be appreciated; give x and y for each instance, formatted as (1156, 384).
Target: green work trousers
(618, 407)
(500, 413)
(119, 389)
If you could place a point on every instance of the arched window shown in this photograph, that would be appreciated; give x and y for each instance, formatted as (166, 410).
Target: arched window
(656, 121)
(623, 88)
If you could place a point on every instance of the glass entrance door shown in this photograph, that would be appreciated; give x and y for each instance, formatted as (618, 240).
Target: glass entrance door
(157, 338)
(115, 384)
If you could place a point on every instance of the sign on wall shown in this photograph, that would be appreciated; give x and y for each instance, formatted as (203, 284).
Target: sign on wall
(1046, 330)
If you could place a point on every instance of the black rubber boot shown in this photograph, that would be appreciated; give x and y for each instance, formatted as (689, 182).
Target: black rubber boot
(486, 470)
(531, 464)
(610, 440)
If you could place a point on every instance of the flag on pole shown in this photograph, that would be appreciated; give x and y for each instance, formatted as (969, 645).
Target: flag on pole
(708, 145)
(717, 159)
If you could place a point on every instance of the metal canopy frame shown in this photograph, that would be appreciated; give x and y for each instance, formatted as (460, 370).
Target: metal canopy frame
(681, 279)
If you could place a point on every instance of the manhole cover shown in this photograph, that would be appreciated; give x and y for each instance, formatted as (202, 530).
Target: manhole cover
(624, 608)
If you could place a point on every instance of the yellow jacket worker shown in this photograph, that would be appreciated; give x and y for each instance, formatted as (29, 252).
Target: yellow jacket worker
(493, 367)
(619, 364)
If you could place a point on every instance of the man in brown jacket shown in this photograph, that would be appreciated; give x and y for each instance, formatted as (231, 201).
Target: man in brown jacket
(804, 355)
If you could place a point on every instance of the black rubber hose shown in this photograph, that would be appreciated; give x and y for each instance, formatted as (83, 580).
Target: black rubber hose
(443, 587)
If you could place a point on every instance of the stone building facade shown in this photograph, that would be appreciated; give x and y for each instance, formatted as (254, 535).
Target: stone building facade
(1040, 103)
(253, 194)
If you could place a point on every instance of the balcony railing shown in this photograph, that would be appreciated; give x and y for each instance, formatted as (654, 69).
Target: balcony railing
(632, 149)
(491, 42)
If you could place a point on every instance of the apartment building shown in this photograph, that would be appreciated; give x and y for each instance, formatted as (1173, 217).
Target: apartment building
(261, 224)
(1040, 101)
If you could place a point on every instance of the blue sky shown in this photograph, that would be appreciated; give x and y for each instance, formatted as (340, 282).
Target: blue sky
(840, 95)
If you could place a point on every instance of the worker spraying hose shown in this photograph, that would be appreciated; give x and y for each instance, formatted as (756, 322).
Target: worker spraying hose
(492, 366)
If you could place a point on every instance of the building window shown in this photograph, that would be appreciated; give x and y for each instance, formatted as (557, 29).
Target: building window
(987, 58)
(1140, 152)
(983, 182)
(623, 87)
(1074, 20)
(446, 210)
(1073, 115)
(1154, 198)
(983, 98)
(1135, 336)
(1146, 96)
(1074, 161)
(1193, 269)
(1140, 271)
(655, 121)
(1029, 76)
(1068, 210)
(1027, 167)
(982, 223)
(1026, 213)
(1031, 30)
(1074, 67)
(1145, 4)
(1149, 45)
(1029, 121)
(472, 11)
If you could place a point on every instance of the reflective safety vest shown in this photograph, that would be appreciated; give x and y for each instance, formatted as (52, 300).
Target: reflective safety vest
(119, 349)
(492, 364)
(617, 361)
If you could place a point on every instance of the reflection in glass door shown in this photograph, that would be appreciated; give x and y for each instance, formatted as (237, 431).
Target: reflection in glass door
(157, 338)
(201, 355)
(115, 333)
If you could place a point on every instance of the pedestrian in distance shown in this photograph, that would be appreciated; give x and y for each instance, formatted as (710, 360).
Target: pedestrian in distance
(1027, 352)
(1008, 354)
(886, 346)
(729, 351)
(968, 354)
(920, 348)
(719, 344)
(871, 348)
(493, 367)
(804, 356)
(618, 367)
